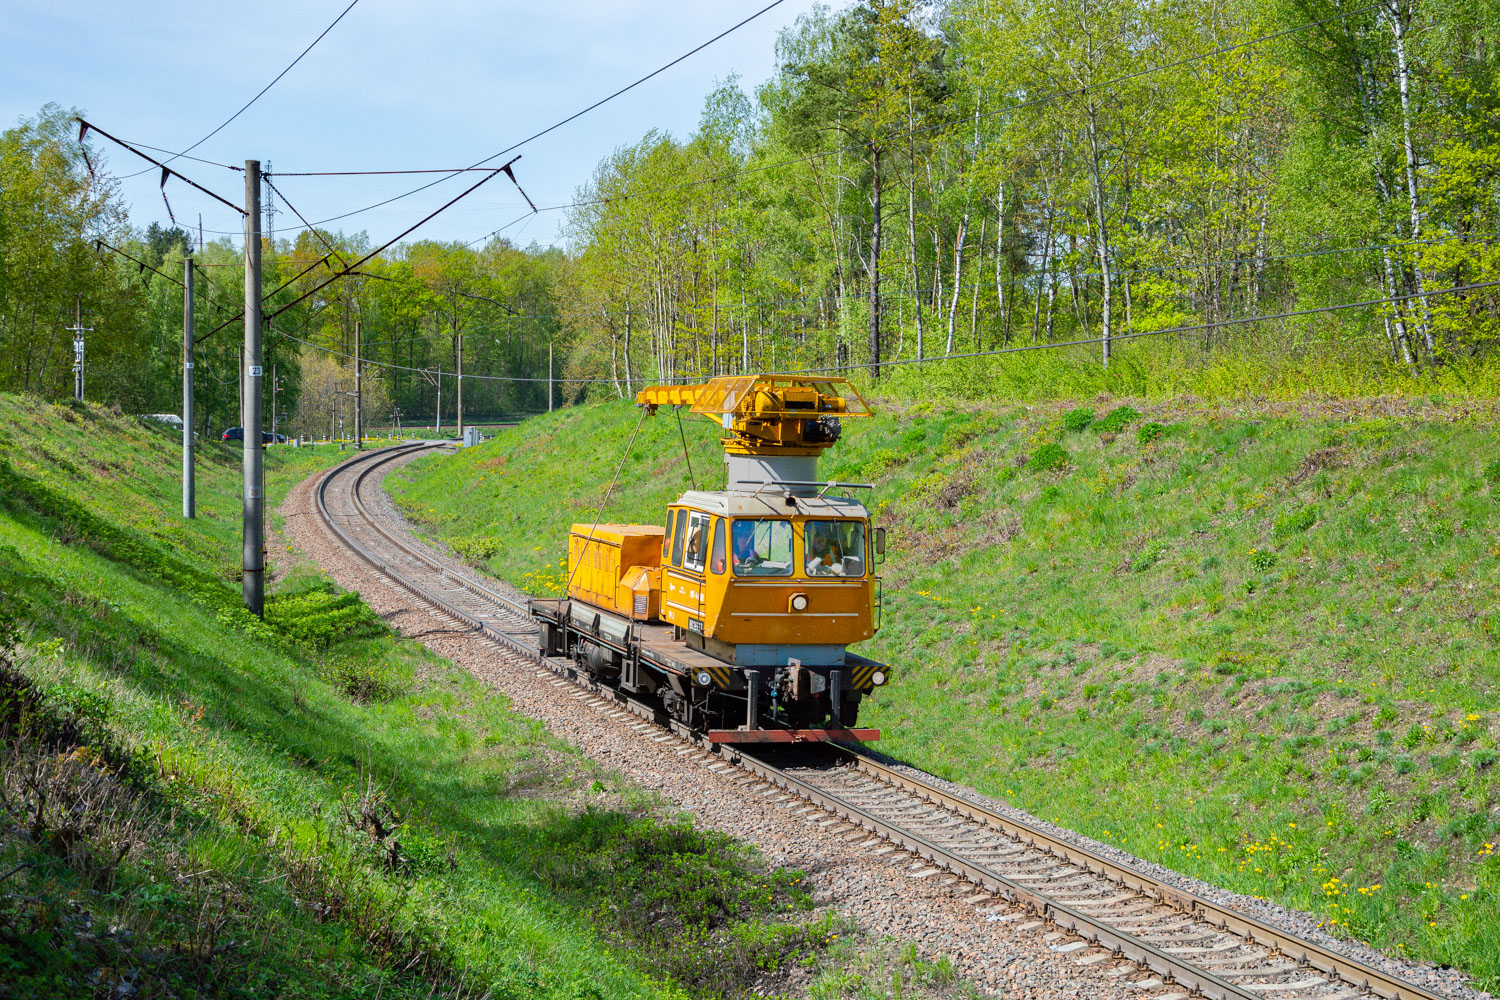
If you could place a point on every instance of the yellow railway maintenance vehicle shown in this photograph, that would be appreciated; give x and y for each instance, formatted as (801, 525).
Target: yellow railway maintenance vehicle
(738, 613)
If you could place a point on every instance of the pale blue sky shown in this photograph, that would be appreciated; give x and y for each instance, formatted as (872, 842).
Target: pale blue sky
(394, 86)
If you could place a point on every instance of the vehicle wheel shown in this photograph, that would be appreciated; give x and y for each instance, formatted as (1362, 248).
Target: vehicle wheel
(676, 705)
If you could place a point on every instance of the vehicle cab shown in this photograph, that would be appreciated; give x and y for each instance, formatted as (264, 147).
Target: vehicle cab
(758, 578)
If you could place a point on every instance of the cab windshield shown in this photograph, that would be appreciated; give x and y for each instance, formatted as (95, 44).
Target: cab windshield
(834, 548)
(762, 548)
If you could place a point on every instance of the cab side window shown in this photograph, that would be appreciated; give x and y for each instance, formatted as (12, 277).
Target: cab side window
(666, 538)
(696, 550)
(677, 538)
(716, 560)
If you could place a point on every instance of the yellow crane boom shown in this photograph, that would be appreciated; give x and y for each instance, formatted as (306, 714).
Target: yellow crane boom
(767, 414)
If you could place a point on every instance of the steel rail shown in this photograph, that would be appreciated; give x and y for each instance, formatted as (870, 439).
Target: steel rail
(1095, 929)
(1169, 966)
(1351, 971)
(388, 455)
(469, 584)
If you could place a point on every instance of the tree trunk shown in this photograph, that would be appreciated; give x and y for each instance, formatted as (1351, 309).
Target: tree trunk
(1002, 305)
(1260, 258)
(911, 224)
(629, 391)
(974, 298)
(958, 269)
(1051, 298)
(1042, 277)
(1403, 76)
(614, 359)
(1403, 337)
(744, 321)
(1098, 179)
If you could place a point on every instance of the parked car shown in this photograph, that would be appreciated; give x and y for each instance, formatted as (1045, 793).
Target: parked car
(266, 437)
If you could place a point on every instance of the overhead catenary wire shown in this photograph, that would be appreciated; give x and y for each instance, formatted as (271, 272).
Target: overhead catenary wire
(313, 229)
(445, 206)
(350, 269)
(375, 173)
(262, 92)
(948, 123)
(136, 260)
(180, 156)
(504, 168)
(570, 118)
(850, 147)
(158, 272)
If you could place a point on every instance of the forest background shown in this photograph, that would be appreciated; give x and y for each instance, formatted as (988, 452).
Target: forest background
(1111, 194)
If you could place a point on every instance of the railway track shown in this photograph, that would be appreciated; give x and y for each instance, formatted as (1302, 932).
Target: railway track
(1155, 937)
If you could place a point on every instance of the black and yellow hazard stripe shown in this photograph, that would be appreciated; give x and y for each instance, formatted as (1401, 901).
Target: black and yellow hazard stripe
(862, 675)
(722, 675)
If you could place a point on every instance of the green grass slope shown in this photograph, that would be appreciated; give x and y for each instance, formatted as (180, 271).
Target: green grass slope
(1256, 644)
(194, 802)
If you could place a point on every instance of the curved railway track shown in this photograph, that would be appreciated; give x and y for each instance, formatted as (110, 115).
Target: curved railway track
(1159, 938)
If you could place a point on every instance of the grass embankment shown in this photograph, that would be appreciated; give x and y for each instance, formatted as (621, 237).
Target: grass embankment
(1255, 643)
(195, 802)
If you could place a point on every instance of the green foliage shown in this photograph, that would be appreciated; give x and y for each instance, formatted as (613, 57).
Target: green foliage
(476, 550)
(1149, 432)
(1117, 420)
(1297, 521)
(319, 618)
(1077, 420)
(1048, 458)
